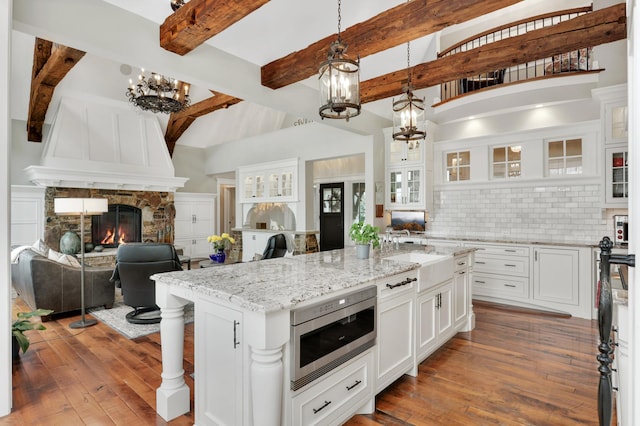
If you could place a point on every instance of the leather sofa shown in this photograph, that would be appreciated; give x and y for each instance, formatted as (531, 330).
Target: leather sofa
(47, 284)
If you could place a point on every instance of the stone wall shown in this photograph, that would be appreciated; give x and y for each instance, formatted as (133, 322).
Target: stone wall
(158, 213)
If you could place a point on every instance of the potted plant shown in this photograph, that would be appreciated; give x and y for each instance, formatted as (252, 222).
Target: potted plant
(219, 243)
(364, 235)
(22, 324)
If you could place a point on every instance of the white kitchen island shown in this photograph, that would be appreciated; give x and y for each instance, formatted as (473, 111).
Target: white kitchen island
(242, 331)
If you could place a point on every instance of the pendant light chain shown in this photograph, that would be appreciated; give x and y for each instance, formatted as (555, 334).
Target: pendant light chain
(339, 19)
(408, 66)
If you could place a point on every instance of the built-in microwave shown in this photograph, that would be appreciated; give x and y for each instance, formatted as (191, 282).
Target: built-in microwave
(329, 333)
(621, 229)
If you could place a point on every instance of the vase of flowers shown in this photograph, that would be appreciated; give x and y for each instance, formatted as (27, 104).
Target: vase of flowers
(219, 244)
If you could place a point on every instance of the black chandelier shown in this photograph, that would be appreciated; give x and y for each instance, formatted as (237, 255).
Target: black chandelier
(408, 113)
(157, 93)
(339, 82)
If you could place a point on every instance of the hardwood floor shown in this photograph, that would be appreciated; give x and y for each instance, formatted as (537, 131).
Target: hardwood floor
(515, 368)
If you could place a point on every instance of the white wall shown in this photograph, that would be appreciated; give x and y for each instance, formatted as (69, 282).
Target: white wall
(23, 152)
(5, 211)
(190, 162)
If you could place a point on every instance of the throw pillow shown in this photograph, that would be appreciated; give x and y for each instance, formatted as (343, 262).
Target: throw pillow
(41, 248)
(65, 259)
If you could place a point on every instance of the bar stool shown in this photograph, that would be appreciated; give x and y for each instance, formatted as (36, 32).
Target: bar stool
(185, 259)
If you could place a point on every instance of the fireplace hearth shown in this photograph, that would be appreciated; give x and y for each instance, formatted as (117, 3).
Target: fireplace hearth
(121, 224)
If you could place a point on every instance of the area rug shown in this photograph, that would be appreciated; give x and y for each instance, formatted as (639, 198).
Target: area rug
(115, 318)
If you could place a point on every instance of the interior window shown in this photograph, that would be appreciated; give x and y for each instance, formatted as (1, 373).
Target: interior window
(458, 166)
(506, 162)
(564, 157)
(358, 202)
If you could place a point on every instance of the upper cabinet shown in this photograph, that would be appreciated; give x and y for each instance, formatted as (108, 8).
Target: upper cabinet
(616, 176)
(269, 182)
(399, 153)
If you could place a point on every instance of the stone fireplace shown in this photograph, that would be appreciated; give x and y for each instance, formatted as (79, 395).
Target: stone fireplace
(121, 224)
(157, 215)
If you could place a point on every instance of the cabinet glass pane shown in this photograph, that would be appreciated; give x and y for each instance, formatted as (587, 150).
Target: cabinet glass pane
(499, 170)
(498, 154)
(273, 185)
(413, 185)
(395, 188)
(619, 122)
(556, 167)
(286, 181)
(396, 151)
(248, 187)
(464, 158)
(465, 173)
(620, 190)
(574, 147)
(514, 153)
(259, 186)
(574, 166)
(556, 149)
(413, 151)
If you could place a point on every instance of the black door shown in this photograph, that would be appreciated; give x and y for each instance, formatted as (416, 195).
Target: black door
(331, 216)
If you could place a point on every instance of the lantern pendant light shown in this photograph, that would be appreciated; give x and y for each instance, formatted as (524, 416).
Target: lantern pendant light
(339, 82)
(408, 113)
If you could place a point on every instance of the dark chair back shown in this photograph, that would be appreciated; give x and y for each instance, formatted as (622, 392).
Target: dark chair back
(276, 247)
(135, 263)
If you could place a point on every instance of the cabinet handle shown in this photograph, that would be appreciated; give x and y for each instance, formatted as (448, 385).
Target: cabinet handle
(462, 272)
(354, 385)
(510, 250)
(317, 410)
(461, 263)
(479, 282)
(482, 263)
(509, 265)
(510, 285)
(535, 255)
(235, 328)
(401, 283)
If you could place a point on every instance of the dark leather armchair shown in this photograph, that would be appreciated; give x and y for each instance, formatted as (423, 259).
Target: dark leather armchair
(135, 263)
(276, 247)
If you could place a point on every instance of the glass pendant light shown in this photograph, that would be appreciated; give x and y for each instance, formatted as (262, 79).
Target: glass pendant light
(339, 82)
(408, 113)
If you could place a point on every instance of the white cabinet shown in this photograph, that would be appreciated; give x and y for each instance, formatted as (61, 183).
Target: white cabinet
(401, 153)
(194, 222)
(434, 321)
(269, 182)
(335, 397)
(406, 188)
(461, 292)
(396, 303)
(219, 380)
(501, 271)
(27, 214)
(617, 176)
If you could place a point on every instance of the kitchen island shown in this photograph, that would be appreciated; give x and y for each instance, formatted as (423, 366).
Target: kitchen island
(242, 329)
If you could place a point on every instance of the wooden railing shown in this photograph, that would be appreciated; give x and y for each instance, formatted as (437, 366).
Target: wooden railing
(575, 61)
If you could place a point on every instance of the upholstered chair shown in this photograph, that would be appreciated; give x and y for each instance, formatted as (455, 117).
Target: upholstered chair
(276, 247)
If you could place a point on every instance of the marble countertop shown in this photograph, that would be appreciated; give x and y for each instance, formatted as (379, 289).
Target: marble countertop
(275, 284)
(514, 241)
(275, 231)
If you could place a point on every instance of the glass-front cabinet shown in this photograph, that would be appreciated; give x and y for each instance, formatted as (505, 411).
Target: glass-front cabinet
(617, 176)
(269, 182)
(401, 152)
(405, 188)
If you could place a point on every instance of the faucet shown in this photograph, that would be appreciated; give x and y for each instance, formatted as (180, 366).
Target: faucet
(396, 242)
(407, 231)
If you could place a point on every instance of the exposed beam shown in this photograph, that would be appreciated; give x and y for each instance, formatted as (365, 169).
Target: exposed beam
(391, 28)
(592, 29)
(179, 122)
(49, 68)
(199, 20)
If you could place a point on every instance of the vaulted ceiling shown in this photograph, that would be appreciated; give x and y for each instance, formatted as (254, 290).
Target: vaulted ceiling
(268, 52)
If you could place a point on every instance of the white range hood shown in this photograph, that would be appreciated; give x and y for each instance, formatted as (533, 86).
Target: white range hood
(107, 146)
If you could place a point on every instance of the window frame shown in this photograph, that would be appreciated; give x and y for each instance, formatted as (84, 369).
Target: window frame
(506, 162)
(457, 167)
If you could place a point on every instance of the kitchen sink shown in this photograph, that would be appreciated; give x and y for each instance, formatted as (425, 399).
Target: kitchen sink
(435, 269)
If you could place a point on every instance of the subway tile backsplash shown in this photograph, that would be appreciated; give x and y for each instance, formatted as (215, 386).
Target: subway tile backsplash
(550, 214)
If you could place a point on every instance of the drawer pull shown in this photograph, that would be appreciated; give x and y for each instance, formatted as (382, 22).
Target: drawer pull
(509, 265)
(480, 282)
(401, 283)
(317, 410)
(354, 385)
(510, 285)
(461, 263)
(510, 250)
(477, 261)
(462, 272)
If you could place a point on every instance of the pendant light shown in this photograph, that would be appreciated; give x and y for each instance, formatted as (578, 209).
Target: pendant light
(339, 82)
(408, 113)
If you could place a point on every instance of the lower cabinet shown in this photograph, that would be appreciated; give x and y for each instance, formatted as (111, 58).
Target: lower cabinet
(620, 375)
(396, 304)
(194, 222)
(219, 394)
(461, 290)
(333, 399)
(434, 319)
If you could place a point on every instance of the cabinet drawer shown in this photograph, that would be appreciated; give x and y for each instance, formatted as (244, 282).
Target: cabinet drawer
(460, 263)
(397, 284)
(490, 285)
(498, 249)
(334, 398)
(516, 265)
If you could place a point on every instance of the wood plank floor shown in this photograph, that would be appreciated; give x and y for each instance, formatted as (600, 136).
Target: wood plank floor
(515, 368)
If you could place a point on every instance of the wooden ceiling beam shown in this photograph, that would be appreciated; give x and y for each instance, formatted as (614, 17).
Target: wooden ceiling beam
(391, 28)
(49, 68)
(199, 20)
(592, 29)
(180, 122)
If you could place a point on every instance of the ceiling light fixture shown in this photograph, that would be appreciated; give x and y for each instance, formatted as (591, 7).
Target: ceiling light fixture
(339, 82)
(157, 93)
(177, 4)
(408, 113)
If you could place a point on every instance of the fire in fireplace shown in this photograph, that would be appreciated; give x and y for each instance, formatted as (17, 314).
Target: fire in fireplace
(121, 224)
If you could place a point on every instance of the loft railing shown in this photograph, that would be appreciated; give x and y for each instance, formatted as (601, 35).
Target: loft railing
(575, 61)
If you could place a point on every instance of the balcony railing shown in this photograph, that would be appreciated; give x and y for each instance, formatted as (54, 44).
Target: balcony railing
(575, 61)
